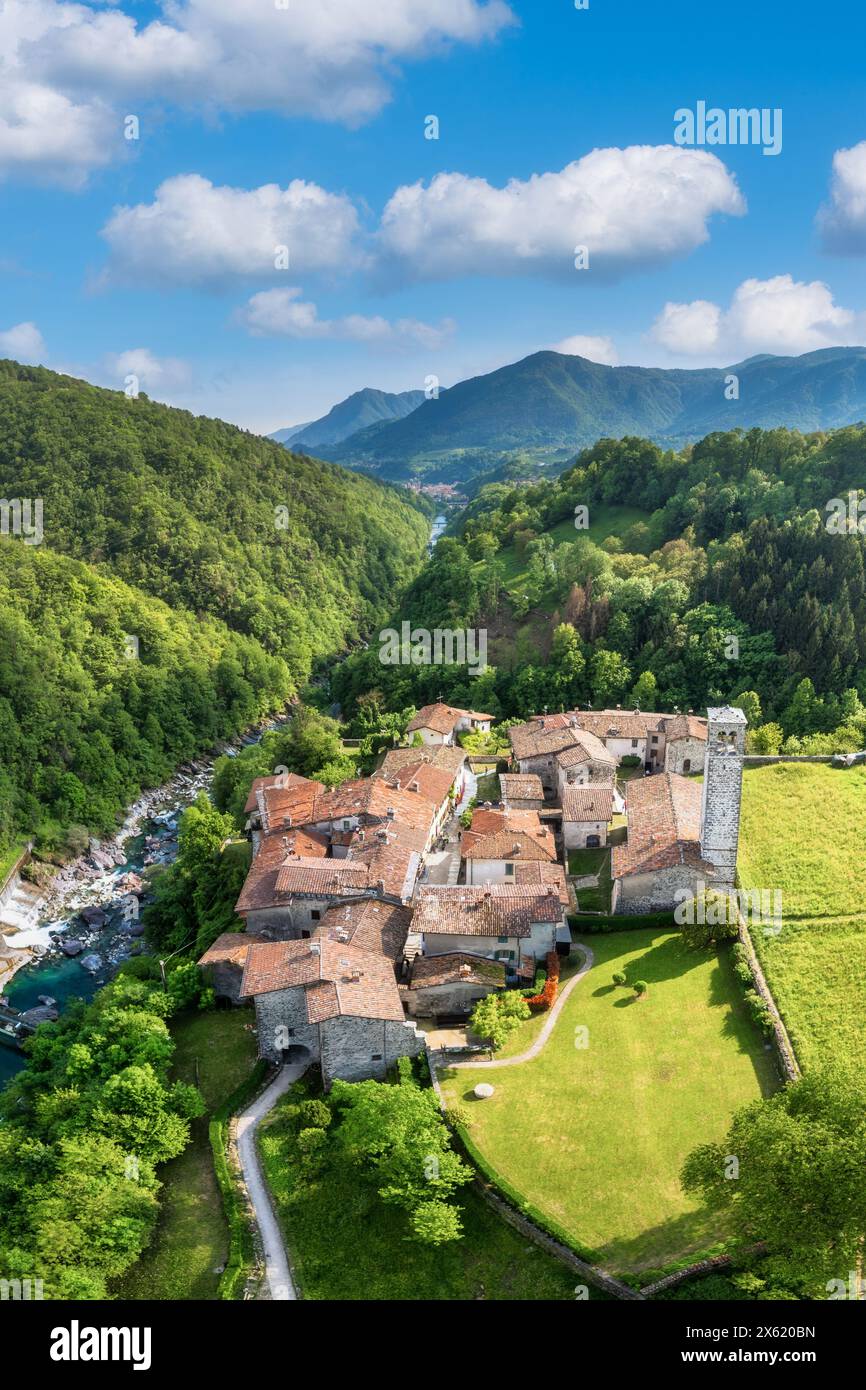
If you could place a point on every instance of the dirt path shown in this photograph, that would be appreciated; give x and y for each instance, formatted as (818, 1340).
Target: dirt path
(549, 1022)
(277, 1269)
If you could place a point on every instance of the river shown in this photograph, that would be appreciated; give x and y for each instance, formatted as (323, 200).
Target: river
(149, 835)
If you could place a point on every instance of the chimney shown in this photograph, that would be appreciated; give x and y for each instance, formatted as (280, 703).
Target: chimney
(315, 949)
(391, 812)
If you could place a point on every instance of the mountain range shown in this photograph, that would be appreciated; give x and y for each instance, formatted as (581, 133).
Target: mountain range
(550, 405)
(357, 412)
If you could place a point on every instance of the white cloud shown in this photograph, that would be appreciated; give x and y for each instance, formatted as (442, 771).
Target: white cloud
(195, 232)
(583, 345)
(689, 328)
(333, 60)
(24, 343)
(630, 207)
(282, 313)
(842, 222)
(153, 373)
(779, 315)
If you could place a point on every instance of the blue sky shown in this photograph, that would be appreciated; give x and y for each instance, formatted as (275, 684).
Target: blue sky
(262, 126)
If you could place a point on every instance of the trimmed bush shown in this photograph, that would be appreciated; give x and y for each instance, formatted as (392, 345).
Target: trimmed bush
(618, 978)
(314, 1114)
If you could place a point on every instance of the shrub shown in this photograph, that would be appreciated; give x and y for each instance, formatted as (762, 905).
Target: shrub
(314, 1114)
(311, 1140)
(630, 760)
(618, 978)
(497, 1015)
(743, 972)
(545, 999)
(639, 987)
(435, 1223)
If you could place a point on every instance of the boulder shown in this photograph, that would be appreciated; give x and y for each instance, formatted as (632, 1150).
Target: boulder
(91, 963)
(72, 947)
(93, 916)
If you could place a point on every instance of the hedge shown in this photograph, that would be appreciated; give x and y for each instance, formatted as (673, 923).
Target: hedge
(607, 922)
(241, 1252)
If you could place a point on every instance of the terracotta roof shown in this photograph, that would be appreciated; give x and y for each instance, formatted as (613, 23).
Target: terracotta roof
(392, 855)
(230, 948)
(592, 803)
(531, 740)
(456, 968)
(375, 799)
(612, 723)
(521, 786)
(495, 910)
(538, 873)
(290, 804)
(437, 755)
(685, 726)
(277, 780)
(664, 819)
(423, 779)
(585, 748)
(371, 925)
(260, 888)
(338, 979)
(508, 834)
(321, 878)
(441, 718)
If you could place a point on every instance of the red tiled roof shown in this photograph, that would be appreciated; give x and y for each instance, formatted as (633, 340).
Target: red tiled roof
(664, 820)
(442, 755)
(521, 786)
(685, 726)
(230, 948)
(456, 967)
(540, 874)
(338, 979)
(422, 779)
(371, 925)
(260, 888)
(592, 803)
(495, 910)
(442, 719)
(508, 834)
(321, 878)
(278, 780)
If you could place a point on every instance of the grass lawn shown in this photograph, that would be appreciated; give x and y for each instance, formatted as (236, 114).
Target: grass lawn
(488, 788)
(348, 1245)
(595, 1136)
(816, 967)
(603, 522)
(190, 1240)
(592, 861)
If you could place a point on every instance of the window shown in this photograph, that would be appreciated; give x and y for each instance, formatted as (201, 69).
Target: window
(377, 1057)
(304, 935)
(347, 825)
(655, 738)
(290, 1032)
(315, 914)
(501, 939)
(634, 743)
(509, 870)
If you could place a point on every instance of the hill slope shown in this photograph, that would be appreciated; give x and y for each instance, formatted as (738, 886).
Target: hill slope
(233, 563)
(356, 412)
(553, 405)
(299, 554)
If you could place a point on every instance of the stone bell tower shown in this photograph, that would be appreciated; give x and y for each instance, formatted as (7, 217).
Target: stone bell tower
(722, 791)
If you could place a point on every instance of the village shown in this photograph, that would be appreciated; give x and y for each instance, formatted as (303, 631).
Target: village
(378, 911)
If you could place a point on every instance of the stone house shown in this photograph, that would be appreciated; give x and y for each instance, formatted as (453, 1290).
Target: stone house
(683, 835)
(586, 815)
(502, 922)
(223, 963)
(328, 1002)
(669, 742)
(498, 839)
(451, 984)
(521, 791)
(557, 752)
(440, 723)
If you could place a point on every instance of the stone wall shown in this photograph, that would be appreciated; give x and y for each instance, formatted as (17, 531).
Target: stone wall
(361, 1049)
(285, 1009)
(644, 893)
(682, 750)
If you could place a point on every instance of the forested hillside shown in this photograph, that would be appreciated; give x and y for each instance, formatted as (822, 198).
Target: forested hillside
(233, 565)
(551, 404)
(701, 575)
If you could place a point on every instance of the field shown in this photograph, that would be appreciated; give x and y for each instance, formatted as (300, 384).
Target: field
(604, 522)
(802, 832)
(594, 1136)
(190, 1243)
(347, 1245)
